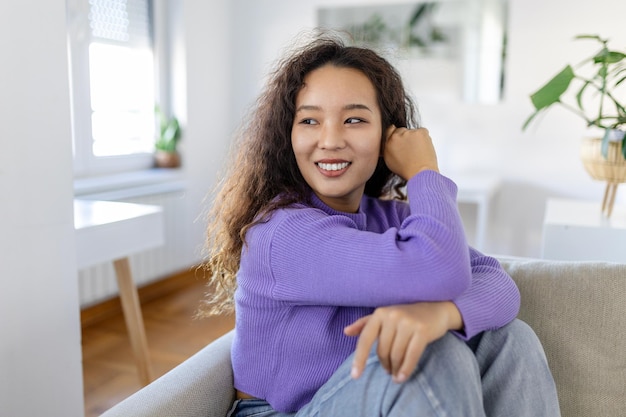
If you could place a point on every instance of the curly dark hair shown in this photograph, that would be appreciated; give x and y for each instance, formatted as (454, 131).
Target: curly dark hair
(264, 175)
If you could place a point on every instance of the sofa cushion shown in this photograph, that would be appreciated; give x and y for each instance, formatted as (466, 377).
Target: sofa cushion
(578, 310)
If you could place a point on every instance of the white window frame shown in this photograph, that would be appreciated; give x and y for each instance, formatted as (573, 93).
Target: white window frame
(86, 164)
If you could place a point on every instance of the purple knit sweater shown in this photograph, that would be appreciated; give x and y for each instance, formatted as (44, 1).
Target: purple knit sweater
(309, 271)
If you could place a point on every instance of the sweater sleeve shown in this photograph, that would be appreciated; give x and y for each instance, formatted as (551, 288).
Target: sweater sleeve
(492, 300)
(322, 259)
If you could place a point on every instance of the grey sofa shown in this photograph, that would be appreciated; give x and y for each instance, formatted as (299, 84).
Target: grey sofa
(578, 310)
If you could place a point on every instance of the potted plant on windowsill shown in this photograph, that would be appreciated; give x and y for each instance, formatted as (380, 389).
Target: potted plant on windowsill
(166, 145)
(598, 101)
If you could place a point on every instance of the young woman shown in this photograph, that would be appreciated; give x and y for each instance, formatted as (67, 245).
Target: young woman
(348, 300)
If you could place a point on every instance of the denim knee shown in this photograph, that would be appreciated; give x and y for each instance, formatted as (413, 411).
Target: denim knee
(518, 337)
(452, 353)
(522, 335)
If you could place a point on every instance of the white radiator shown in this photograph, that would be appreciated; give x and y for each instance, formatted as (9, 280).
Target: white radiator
(98, 283)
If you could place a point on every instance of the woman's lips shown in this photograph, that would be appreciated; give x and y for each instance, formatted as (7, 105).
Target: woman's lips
(332, 168)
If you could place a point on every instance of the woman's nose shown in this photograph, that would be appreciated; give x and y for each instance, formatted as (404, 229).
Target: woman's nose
(331, 137)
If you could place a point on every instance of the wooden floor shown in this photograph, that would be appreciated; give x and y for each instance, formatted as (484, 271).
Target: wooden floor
(173, 335)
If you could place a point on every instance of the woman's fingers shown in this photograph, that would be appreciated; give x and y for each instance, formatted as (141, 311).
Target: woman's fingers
(398, 350)
(393, 332)
(386, 340)
(409, 151)
(403, 332)
(367, 338)
(412, 355)
(355, 328)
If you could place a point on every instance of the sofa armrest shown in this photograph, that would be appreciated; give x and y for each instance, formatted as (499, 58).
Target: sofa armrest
(577, 310)
(202, 386)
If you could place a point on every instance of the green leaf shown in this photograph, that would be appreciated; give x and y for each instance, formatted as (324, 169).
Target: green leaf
(551, 92)
(579, 96)
(595, 37)
(609, 57)
(605, 144)
(169, 131)
(608, 133)
(530, 119)
(419, 12)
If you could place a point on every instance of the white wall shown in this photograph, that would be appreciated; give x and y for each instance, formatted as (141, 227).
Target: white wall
(535, 165)
(208, 78)
(40, 356)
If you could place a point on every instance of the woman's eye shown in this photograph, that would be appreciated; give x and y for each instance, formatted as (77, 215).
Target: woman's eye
(354, 120)
(308, 122)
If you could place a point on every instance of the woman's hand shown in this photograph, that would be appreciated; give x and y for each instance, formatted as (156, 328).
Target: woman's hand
(409, 151)
(403, 332)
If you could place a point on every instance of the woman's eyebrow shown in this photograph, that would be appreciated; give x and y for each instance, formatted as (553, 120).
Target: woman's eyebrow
(308, 107)
(357, 106)
(354, 106)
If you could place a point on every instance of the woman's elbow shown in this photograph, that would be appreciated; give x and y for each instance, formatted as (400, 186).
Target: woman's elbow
(459, 272)
(455, 281)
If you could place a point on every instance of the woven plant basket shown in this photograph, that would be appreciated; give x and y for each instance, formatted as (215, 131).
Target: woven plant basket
(612, 169)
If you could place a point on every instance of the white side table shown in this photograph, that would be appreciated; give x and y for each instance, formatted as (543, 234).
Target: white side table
(111, 231)
(478, 190)
(577, 230)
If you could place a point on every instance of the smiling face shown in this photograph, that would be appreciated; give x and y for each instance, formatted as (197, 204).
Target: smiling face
(336, 134)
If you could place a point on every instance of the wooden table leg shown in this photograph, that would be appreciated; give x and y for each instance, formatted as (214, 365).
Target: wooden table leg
(609, 198)
(134, 319)
(606, 197)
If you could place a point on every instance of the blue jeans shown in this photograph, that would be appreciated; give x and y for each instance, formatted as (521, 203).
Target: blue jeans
(497, 373)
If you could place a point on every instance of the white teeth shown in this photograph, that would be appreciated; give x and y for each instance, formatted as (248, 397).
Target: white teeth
(333, 167)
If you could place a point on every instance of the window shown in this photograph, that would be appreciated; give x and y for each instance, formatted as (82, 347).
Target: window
(113, 85)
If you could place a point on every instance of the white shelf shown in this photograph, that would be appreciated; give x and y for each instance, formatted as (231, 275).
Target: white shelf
(577, 230)
(478, 190)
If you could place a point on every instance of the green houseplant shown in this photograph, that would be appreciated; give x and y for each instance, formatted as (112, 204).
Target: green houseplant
(595, 92)
(166, 144)
(596, 99)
